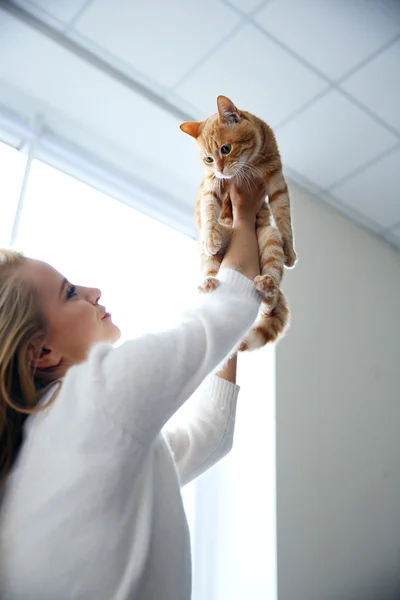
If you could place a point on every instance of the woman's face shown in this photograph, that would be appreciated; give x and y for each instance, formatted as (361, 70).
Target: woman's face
(75, 319)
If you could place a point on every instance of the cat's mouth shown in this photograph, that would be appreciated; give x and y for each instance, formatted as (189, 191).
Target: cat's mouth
(219, 175)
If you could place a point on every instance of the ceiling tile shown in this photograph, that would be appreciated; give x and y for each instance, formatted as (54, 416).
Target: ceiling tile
(330, 139)
(64, 11)
(375, 192)
(80, 101)
(187, 107)
(261, 78)
(164, 40)
(122, 66)
(332, 35)
(382, 73)
(246, 6)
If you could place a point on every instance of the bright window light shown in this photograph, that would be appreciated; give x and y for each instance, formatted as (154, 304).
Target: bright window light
(12, 165)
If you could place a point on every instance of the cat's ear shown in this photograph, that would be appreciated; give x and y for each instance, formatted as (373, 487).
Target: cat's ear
(227, 111)
(191, 128)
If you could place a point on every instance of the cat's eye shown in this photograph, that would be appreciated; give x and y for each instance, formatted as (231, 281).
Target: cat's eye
(226, 148)
(209, 159)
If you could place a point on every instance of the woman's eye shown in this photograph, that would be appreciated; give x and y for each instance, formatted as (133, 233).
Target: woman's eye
(226, 149)
(71, 291)
(209, 159)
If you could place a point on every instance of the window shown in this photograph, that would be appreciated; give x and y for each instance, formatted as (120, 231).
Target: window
(12, 165)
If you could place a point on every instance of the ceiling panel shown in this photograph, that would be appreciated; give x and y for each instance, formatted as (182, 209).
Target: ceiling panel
(151, 35)
(260, 78)
(184, 105)
(375, 191)
(149, 135)
(331, 139)
(334, 36)
(377, 85)
(61, 9)
(246, 6)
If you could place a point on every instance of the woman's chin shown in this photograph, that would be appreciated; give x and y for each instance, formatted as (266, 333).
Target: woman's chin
(115, 335)
(112, 334)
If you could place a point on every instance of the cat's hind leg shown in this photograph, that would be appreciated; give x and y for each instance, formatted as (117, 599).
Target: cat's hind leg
(279, 201)
(271, 257)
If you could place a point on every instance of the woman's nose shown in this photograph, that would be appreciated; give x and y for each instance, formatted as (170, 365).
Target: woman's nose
(94, 295)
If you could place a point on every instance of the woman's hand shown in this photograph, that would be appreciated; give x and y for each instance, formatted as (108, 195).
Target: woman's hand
(247, 200)
(242, 253)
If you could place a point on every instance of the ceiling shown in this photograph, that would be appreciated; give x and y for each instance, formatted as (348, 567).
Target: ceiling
(325, 74)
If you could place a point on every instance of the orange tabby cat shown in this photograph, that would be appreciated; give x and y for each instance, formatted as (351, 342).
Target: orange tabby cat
(237, 145)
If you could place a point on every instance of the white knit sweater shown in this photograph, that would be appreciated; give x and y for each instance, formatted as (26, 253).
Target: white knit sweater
(92, 509)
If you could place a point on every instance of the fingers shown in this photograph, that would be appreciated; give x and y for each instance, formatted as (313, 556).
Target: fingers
(248, 197)
(251, 189)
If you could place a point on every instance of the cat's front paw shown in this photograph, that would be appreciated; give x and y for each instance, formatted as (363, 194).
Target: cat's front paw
(209, 284)
(213, 242)
(266, 285)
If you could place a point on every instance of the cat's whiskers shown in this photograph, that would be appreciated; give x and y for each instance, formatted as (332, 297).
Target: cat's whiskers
(251, 169)
(245, 167)
(242, 176)
(236, 169)
(236, 172)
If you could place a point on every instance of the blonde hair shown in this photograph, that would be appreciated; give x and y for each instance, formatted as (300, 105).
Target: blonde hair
(21, 385)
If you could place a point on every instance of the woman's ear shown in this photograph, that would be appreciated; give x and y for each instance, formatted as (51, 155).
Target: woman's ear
(40, 357)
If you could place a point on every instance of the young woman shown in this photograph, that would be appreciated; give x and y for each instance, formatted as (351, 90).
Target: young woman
(91, 507)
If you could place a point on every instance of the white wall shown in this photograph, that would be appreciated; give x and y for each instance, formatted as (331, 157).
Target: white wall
(338, 414)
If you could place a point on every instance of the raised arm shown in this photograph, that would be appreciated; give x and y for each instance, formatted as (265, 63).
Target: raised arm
(141, 384)
(229, 370)
(206, 436)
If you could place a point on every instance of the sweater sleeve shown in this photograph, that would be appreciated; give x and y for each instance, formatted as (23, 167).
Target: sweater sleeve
(143, 382)
(208, 434)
